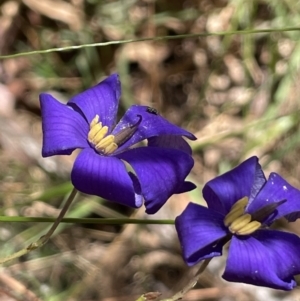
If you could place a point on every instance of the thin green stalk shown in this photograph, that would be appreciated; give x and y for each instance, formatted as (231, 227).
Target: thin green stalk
(179, 295)
(161, 38)
(43, 240)
(152, 296)
(62, 213)
(100, 221)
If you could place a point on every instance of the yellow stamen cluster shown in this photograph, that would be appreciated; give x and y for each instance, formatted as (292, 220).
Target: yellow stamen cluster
(236, 211)
(238, 222)
(97, 136)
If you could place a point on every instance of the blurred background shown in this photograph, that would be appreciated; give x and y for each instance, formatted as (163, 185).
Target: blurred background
(239, 94)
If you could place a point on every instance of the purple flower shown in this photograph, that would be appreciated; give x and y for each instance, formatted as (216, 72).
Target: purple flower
(242, 204)
(108, 166)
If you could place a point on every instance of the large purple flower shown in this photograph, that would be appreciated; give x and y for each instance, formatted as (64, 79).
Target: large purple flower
(242, 204)
(88, 122)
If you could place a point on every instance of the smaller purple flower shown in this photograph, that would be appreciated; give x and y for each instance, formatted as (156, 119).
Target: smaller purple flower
(242, 204)
(110, 164)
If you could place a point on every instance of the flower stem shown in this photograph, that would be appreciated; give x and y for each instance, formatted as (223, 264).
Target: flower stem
(43, 239)
(87, 220)
(159, 38)
(179, 295)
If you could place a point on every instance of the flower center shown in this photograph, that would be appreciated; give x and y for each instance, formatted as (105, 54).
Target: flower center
(238, 221)
(97, 136)
(107, 144)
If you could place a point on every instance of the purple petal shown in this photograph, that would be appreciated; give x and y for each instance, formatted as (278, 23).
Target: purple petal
(152, 125)
(244, 180)
(185, 187)
(160, 172)
(268, 258)
(64, 129)
(201, 232)
(139, 200)
(277, 189)
(102, 99)
(170, 141)
(105, 177)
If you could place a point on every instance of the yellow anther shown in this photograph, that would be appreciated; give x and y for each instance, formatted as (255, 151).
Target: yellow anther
(110, 149)
(97, 136)
(240, 223)
(249, 228)
(94, 131)
(242, 203)
(100, 135)
(94, 121)
(105, 142)
(236, 211)
(232, 216)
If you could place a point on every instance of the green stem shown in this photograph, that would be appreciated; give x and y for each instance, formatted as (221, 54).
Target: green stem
(179, 295)
(162, 38)
(43, 240)
(101, 221)
(62, 213)
(152, 296)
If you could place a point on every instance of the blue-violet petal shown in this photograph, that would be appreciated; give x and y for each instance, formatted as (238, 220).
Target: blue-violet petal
(244, 180)
(64, 129)
(267, 258)
(104, 176)
(102, 100)
(160, 171)
(151, 125)
(185, 187)
(170, 141)
(201, 233)
(277, 189)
